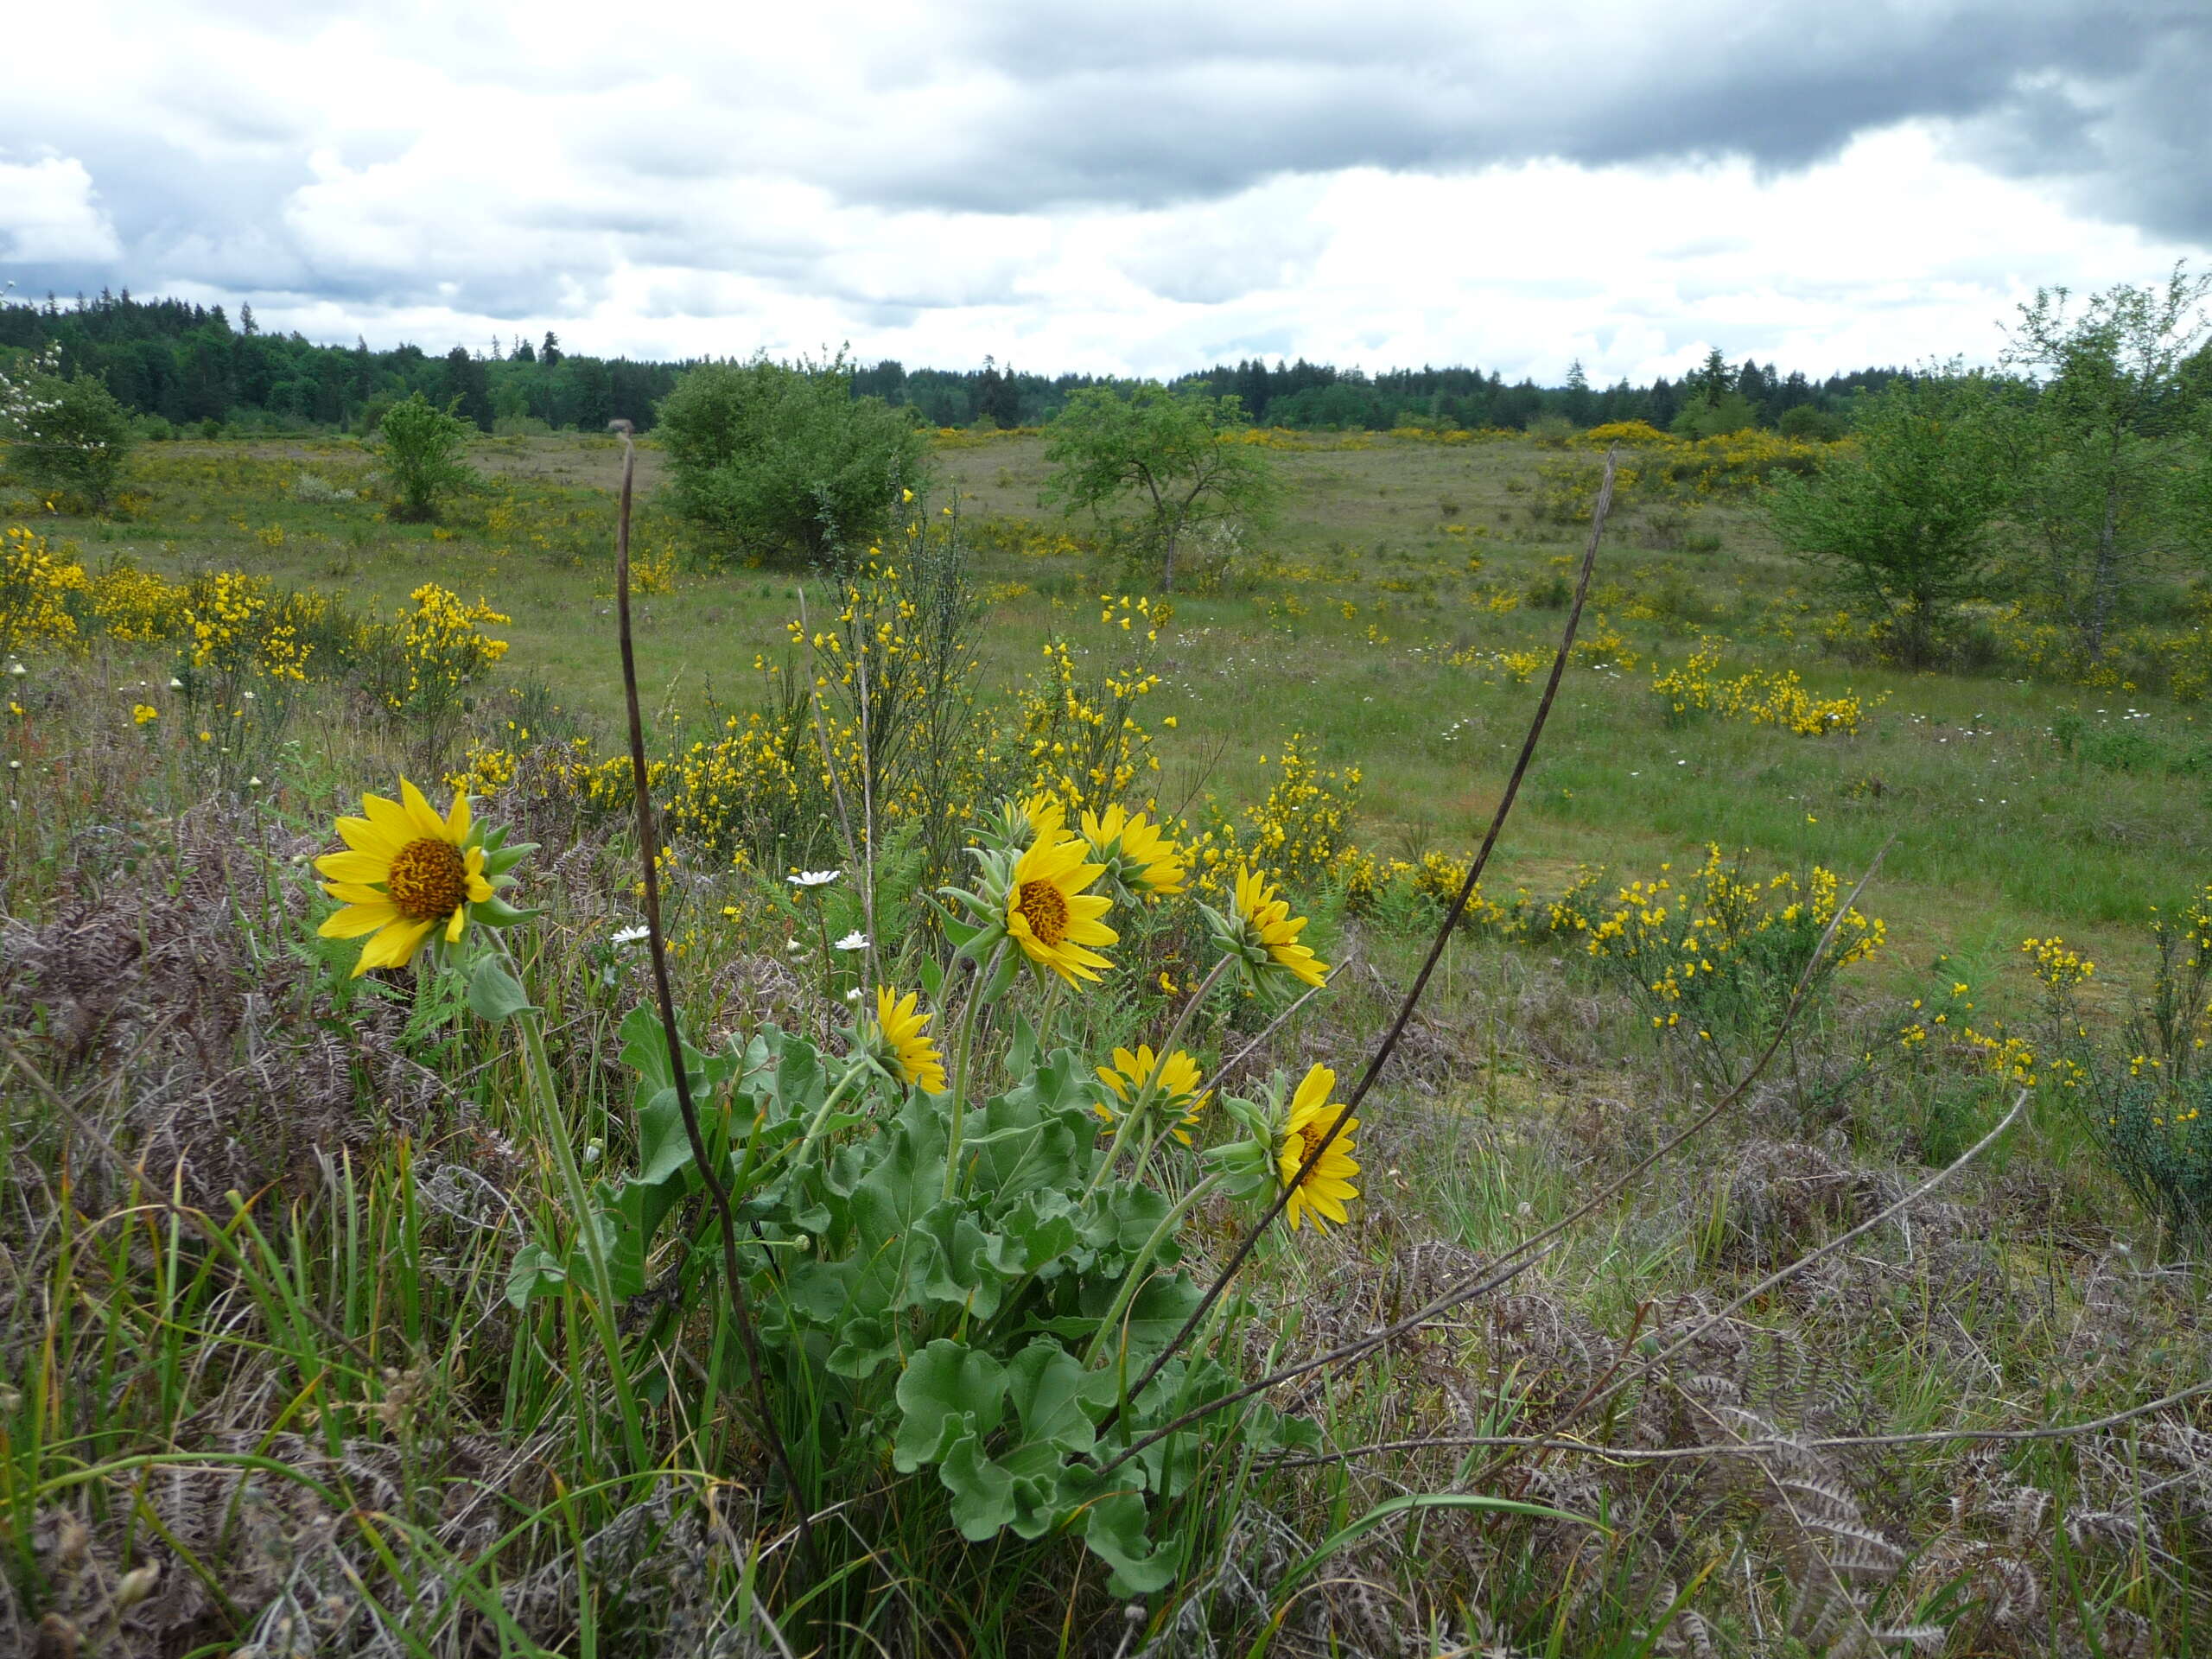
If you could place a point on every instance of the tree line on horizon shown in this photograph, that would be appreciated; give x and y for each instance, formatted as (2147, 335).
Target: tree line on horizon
(179, 365)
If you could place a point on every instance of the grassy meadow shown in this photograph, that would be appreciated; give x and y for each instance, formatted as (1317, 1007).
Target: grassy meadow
(261, 1215)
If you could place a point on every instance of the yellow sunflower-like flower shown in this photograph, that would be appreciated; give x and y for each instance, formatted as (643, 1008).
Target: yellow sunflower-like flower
(1048, 816)
(1137, 856)
(1322, 1193)
(406, 871)
(1051, 917)
(1176, 1087)
(910, 1051)
(1266, 923)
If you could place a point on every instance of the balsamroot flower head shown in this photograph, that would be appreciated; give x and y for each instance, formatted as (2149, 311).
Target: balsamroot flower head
(1139, 859)
(1318, 1192)
(1174, 1081)
(1050, 913)
(900, 1042)
(1037, 897)
(408, 873)
(1260, 935)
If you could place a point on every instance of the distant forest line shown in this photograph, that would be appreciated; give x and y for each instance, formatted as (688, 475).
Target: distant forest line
(185, 365)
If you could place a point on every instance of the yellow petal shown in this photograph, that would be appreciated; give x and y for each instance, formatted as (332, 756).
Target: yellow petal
(355, 893)
(357, 919)
(458, 920)
(398, 826)
(425, 817)
(368, 835)
(354, 865)
(457, 821)
(396, 946)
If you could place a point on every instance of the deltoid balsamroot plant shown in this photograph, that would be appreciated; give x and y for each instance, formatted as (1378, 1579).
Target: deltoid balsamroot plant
(964, 1268)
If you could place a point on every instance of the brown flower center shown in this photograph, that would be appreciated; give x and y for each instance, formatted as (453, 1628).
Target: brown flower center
(429, 879)
(1045, 907)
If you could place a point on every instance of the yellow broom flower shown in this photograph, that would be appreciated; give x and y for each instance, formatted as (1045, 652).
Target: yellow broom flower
(910, 1051)
(1051, 917)
(1267, 922)
(1322, 1192)
(1176, 1090)
(405, 872)
(1138, 857)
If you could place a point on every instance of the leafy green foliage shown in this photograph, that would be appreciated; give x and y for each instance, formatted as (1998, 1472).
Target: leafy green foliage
(66, 434)
(981, 1322)
(1904, 521)
(780, 461)
(1173, 450)
(420, 445)
(2111, 467)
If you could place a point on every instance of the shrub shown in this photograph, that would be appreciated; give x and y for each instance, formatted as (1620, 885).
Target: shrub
(2146, 1102)
(1804, 421)
(67, 435)
(780, 461)
(1712, 960)
(36, 584)
(420, 446)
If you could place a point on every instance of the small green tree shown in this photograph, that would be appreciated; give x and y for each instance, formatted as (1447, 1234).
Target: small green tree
(1903, 521)
(66, 434)
(778, 461)
(420, 446)
(1715, 408)
(1174, 449)
(2109, 437)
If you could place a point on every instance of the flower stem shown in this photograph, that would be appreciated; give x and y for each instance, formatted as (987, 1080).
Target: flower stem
(1150, 1088)
(988, 972)
(822, 1113)
(1134, 1279)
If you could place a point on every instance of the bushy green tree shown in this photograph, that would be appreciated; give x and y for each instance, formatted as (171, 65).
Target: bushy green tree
(1904, 521)
(1810, 421)
(1716, 407)
(780, 461)
(2110, 458)
(1173, 453)
(66, 434)
(420, 446)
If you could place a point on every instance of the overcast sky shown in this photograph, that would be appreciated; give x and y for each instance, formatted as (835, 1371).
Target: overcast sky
(1144, 186)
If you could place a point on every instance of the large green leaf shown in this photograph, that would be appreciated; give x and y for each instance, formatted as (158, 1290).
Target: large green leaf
(982, 1488)
(1055, 1399)
(1112, 1520)
(948, 1392)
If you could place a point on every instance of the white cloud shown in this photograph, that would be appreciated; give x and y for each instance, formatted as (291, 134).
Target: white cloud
(48, 212)
(1393, 184)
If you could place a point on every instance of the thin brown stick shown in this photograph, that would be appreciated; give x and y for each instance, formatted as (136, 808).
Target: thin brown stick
(1389, 1043)
(649, 852)
(1536, 1246)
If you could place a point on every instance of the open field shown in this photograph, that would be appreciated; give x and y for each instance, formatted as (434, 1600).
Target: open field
(1339, 624)
(263, 1216)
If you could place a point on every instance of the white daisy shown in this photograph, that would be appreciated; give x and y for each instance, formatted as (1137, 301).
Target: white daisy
(853, 941)
(632, 934)
(813, 878)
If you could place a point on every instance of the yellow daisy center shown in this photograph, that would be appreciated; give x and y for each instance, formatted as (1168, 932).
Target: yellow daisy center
(1045, 907)
(429, 879)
